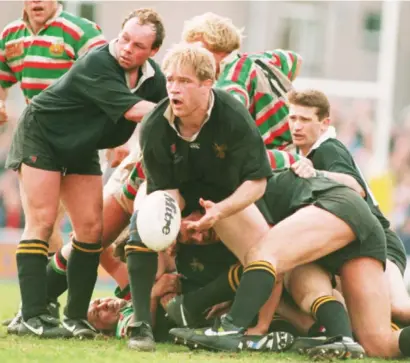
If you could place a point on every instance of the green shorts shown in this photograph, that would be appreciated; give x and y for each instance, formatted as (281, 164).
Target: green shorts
(31, 148)
(396, 252)
(370, 235)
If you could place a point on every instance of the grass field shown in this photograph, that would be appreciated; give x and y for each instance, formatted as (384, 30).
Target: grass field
(33, 350)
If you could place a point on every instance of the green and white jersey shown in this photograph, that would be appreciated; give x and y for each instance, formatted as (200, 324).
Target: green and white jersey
(37, 60)
(126, 315)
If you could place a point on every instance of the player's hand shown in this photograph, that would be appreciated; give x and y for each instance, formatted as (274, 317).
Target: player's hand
(218, 310)
(166, 284)
(117, 155)
(303, 168)
(3, 113)
(211, 216)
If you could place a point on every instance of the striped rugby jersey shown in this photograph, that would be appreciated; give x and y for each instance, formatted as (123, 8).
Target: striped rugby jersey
(277, 159)
(260, 81)
(36, 60)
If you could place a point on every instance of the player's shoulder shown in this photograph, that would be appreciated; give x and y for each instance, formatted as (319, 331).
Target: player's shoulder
(77, 23)
(12, 28)
(333, 145)
(154, 123)
(228, 104)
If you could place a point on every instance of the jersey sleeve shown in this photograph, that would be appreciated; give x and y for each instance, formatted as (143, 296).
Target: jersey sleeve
(134, 181)
(238, 80)
(157, 160)
(287, 61)
(281, 159)
(105, 87)
(249, 152)
(91, 37)
(331, 158)
(7, 77)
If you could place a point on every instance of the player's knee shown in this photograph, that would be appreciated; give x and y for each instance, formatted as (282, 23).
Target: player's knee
(41, 224)
(379, 345)
(89, 230)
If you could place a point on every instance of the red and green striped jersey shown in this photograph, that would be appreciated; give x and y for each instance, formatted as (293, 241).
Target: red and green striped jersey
(278, 160)
(36, 60)
(260, 81)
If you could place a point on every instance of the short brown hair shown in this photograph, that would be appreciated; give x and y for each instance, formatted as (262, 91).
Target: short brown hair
(149, 16)
(311, 98)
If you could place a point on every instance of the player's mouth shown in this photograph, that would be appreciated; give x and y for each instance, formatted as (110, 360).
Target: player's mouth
(176, 102)
(37, 10)
(124, 59)
(297, 137)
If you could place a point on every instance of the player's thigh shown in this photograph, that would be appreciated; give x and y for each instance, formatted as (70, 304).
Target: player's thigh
(366, 294)
(303, 237)
(82, 198)
(115, 219)
(242, 231)
(39, 190)
(308, 282)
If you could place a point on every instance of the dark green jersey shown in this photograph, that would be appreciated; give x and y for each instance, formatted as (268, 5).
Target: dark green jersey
(331, 155)
(286, 193)
(227, 151)
(84, 110)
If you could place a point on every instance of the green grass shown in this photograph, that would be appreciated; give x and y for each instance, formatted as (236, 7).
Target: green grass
(33, 350)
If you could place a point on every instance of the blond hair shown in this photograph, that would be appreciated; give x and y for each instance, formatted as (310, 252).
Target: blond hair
(311, 98)
(151, 17)
(191, 55)
(218, 33)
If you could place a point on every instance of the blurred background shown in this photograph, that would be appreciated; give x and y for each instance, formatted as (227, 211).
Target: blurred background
(356, 51)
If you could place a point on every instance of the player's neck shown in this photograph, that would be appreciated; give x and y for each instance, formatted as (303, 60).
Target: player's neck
(304, 150)
(194, 121)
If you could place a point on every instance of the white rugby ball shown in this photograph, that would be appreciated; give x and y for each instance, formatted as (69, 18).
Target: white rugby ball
(158, 220)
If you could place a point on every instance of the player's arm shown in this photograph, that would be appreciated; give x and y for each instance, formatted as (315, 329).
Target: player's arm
(7, 79)
(287, 61)
(345, 179)
(139, 110)
(337, 164)
(282, 159)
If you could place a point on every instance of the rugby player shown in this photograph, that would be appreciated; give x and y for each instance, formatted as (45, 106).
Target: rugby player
(96, 105)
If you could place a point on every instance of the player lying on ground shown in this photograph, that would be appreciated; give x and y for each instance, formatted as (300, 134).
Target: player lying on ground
(316, 219)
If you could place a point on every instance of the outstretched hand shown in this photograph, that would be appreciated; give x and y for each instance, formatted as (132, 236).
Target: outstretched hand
(211, 216)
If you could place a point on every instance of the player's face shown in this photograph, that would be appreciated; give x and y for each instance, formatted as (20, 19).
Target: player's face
(134, 44)
(39, 11)
(187, 94)
(305, 126)
(104, 314)
(189, 236)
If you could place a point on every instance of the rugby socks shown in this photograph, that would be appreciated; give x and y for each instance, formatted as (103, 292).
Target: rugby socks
(56, 276)
(404, 339)
(222, 289)
(332, 315)
(82, 269)
(31, 257)
(255, 288)
(142, 265)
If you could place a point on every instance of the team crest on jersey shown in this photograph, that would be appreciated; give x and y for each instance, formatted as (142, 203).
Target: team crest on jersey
(57, 49)
(14, 50)
(173, 148)
(220, 150)
(197, 266)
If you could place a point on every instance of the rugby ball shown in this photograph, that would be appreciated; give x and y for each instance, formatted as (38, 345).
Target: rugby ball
(158, 220)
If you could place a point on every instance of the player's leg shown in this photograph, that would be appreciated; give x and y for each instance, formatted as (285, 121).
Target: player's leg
(40, 198)
(82, 198)
(311, 288)
(305, 236)
(366, 294)
(56, 238)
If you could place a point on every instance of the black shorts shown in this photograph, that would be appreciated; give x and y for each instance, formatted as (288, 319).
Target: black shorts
(370, 235)
(396, 252)
(31, 148)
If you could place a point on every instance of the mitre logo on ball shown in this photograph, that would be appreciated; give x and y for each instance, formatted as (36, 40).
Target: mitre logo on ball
(159, 220)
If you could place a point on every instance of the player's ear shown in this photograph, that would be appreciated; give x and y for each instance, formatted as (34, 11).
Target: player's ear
(153, 52)
(207, 83)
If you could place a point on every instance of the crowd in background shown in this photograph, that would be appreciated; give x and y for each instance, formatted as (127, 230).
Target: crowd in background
(353, 120)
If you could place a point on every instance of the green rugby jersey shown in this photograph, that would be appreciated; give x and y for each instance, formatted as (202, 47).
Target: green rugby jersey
(36, 60)
(278, 160)
(260, 81)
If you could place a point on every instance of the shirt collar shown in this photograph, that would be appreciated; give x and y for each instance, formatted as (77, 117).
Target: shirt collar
(330, 133)
(49, 21)
(147, 70)
(169, 115)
